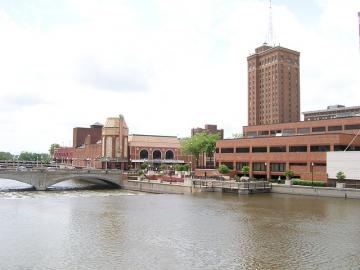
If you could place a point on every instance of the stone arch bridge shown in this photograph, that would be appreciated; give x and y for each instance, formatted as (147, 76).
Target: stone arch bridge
(41, 179)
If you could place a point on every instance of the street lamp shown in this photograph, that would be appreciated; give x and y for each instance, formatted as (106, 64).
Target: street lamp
(266, 171)
(312, 174)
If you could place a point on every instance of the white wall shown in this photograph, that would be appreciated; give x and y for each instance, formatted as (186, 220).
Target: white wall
(348, 162)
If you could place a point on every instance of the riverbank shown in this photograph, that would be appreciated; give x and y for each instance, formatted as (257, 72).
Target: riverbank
(189, 188)
(349, 193)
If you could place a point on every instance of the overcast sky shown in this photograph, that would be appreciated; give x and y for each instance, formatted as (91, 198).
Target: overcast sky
(166, 65)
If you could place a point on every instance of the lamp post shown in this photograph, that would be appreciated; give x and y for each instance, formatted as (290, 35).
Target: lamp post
(312, 174)
(266, 170)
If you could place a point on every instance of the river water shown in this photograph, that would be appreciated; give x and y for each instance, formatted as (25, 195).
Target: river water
(117, 229)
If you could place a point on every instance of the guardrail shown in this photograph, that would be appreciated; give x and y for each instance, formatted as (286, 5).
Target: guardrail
(253, 185)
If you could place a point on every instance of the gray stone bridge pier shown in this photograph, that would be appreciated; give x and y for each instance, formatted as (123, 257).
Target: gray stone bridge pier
(42, 179)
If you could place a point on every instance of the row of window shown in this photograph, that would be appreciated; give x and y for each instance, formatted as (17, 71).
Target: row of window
(284, 148)
(262, 166)
(303, 130)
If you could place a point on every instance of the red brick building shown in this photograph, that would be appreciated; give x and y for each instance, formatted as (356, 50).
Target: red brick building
(273, 86)
(270, 150)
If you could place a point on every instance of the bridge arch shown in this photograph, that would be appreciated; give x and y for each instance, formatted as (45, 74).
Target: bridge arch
(85, 177)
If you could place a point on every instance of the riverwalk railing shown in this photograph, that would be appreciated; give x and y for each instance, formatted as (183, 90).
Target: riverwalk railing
(252, 185)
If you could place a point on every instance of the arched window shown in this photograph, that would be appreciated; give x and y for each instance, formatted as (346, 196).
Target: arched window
(144, 154)
(156, 154)
(169, 154)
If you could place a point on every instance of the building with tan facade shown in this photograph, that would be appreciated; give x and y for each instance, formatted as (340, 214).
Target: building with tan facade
(110, 146)
(273, 86)
(155, 150)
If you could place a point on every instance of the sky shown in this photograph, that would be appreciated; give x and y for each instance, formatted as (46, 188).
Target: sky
(166, 65)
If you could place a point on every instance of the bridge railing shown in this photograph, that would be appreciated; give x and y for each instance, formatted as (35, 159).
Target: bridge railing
(231, 184)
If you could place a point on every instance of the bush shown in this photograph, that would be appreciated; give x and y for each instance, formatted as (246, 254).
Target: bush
(298, 182)
(223, 169)
(180, 168)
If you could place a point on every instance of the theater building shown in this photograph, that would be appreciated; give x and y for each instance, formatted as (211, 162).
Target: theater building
(271, 150)
(154, 150)
(111, 147)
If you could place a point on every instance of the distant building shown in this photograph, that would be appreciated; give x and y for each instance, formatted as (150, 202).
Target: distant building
(334, 111)
(273, 86)
(111, 147)
(209, 129)
(155, 150)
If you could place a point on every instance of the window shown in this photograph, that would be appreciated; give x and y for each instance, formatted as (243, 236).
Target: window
(320, 164)
(288, 132)
(277, 149)
(230, 165)
(144, 154)
(240, 165)
(298, 148)
(259, 149)
(277, 167)
(227, 150)
(319, 148)
(156, 154)
(242, 149)
(318, 129)
(274, 132)
(169, 154)
(259, 167)
(298, 164)
(264, 133)
(303, 130)
(217, 150)
(350, 127)
(343, 147)
(334, 128)
(251, 134)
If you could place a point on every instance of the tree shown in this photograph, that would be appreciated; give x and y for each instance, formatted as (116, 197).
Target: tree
(223, 169)
(237, 135)
(245, 170)
(6, 156)
(289, 174)
(30, 156)
(52, 148)
(198, 144)
(341, 176)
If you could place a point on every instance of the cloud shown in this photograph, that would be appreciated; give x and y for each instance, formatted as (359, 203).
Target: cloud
(105, 77)
(167, 66)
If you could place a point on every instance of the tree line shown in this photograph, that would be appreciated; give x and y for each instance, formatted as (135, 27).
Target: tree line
(30, 156)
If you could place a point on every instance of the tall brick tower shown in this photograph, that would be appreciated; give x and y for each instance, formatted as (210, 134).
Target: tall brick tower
(273, 86)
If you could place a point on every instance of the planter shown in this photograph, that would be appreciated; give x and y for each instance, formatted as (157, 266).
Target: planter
(288, 182)
(340, 185)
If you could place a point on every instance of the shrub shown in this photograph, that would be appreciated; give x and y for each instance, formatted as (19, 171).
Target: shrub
(340, 176)
(245, 170)
(144, 166)
(223, 169)
(179, 168)
(289, 174)
(298, 182)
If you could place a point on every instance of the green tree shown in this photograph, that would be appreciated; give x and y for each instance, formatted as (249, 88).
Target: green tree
(198, 144)
(52, 148)
(245, 170)
(289, 174)
(144, 166)
(340, 176)
(6, 156)
(223, 169)
(30, 156)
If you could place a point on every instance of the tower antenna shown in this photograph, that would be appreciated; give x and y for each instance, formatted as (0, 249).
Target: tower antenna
(359, 29)
(270, 37)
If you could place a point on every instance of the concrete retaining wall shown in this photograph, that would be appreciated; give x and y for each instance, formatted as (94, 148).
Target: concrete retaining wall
(317, 191)
(155, 187)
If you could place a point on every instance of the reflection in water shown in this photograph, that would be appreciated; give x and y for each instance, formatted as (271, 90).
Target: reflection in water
(115, 229)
